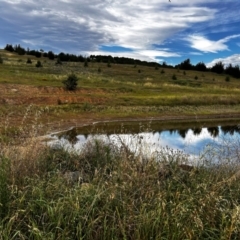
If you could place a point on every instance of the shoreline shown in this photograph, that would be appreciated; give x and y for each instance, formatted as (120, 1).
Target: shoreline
(67, 125)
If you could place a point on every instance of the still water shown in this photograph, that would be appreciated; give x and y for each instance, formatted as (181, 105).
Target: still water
(212, 140)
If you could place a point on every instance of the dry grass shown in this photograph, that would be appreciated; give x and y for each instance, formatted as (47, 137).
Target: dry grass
(123, 194)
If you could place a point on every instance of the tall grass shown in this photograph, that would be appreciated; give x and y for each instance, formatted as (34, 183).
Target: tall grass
(123, 194)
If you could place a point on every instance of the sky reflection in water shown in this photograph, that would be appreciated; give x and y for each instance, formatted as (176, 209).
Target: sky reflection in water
(192, 141)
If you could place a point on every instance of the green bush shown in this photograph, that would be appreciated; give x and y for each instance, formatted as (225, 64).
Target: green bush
(58, 62)
(39, 64)
(227, 79)
(71, 82)
(86, 63)
(1, 60)
(29, 61)
(196, 78)
(174, 77)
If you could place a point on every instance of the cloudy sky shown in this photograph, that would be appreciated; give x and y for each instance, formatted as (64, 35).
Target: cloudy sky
(152, 30)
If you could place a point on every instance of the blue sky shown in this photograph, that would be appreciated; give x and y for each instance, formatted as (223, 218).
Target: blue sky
(151, 30)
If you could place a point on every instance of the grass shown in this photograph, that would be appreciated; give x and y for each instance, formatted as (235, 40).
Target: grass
(117, 87)
(121, 194)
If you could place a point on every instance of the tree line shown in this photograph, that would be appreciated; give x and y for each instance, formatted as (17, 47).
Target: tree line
(218, 67)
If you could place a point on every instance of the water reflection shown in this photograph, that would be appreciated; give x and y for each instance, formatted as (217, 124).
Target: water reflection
(191, 140)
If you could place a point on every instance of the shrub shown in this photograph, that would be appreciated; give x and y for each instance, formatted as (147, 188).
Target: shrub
(227, 79)
(1, 60)
(29, 61)
(71, 82)
(99, 70)
(85, 63)
(139, 71)
(184, 73)
(58, 62)
(162, 72)
(174, 77)
(196, 78)
(38, 64)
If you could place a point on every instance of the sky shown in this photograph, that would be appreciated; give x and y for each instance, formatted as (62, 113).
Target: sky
(153, 30)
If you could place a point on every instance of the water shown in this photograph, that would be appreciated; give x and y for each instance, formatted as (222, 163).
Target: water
(211, 140)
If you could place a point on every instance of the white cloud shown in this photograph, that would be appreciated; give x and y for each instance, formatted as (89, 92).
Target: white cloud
(83, 26)
(203, 44)
(134, 23)
(145, 55)
(233, 59)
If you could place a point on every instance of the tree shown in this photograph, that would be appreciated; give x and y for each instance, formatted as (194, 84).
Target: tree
(71, 82)
(185, 65)
(218, 68)
(51, 55)
(9, 48)
(38, 54)
(233, 71)
(201, 67)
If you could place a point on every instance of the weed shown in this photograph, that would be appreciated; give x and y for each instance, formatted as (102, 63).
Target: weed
(85, 63)
(39, 64)
(227, 79)
(87, 107)
(4, 182)
(174, 77)
(29, 61)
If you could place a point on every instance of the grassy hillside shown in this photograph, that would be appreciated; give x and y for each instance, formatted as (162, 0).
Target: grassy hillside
(114, 92)
(118, 193)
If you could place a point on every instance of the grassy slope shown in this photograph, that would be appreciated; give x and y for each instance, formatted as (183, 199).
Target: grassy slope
(118, 91)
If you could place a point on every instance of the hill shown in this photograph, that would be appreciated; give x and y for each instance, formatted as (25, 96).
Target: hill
(112, 91)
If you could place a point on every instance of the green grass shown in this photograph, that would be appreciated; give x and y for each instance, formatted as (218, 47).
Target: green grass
(121, 195)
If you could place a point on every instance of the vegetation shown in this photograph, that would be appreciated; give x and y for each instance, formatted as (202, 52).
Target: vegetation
(227, 79)
(39, 64)
(174, 77)
(185, 65)
(29, 61)
(108, 191)
(71, 82)
(86, 63)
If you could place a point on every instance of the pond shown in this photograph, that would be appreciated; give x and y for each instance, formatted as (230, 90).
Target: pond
(213, 140)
